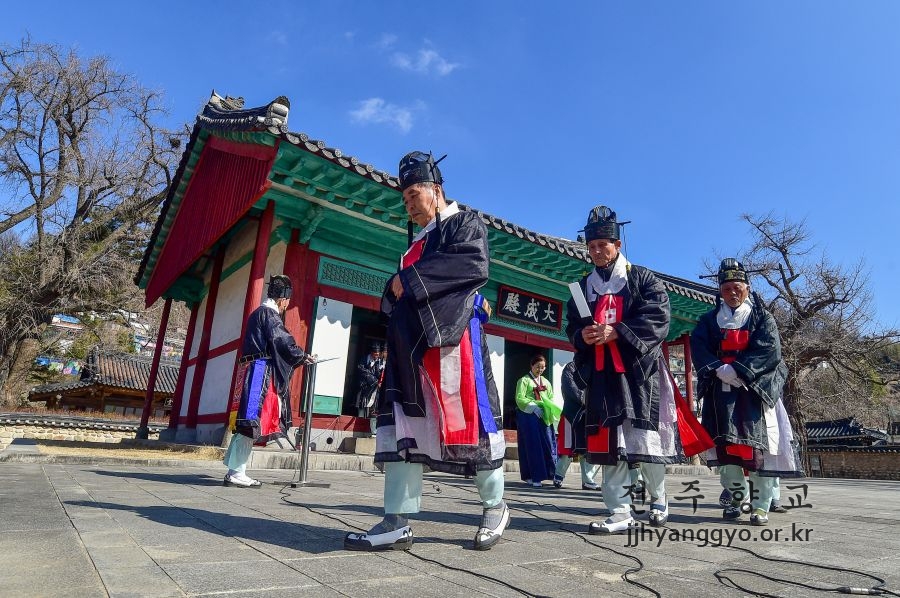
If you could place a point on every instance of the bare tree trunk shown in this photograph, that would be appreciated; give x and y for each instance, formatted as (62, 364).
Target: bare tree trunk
(84, 167)
(793, 404)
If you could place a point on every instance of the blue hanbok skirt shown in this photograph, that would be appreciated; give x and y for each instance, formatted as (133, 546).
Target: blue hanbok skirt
(537, 447)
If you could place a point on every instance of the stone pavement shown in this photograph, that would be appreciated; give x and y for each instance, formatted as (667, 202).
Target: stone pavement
(69, 529)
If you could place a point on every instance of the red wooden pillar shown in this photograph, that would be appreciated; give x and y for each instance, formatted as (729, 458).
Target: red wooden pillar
(688, 372)
(302, 266)
(144, 430)
(203, 350)
(178, 398)
(254, 292)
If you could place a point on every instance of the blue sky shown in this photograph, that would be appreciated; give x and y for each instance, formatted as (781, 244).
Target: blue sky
(680, 116)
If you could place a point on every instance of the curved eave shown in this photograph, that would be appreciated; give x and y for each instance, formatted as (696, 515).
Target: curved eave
(331, 181)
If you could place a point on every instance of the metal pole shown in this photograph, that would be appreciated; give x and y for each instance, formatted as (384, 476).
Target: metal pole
(308, 392)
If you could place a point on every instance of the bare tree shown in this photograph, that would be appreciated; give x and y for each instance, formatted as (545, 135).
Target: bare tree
(84, 166)
(830, 339)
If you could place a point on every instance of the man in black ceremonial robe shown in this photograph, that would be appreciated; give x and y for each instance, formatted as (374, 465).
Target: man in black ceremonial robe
(438, 406)
(269, 355)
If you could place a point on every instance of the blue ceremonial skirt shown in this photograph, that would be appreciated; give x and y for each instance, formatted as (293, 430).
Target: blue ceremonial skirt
(537, 447)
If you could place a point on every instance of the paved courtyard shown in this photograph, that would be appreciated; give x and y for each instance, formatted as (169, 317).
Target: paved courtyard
(122, 530)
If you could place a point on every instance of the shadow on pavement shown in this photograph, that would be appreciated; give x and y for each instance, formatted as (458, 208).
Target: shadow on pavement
(308, 538)
(181, 479)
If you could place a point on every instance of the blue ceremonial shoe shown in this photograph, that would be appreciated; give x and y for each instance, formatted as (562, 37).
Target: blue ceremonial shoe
(399, 539)
(725, 497)
(659, 514)
(735, 509)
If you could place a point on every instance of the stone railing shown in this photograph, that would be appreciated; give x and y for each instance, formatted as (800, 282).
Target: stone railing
(55, 427)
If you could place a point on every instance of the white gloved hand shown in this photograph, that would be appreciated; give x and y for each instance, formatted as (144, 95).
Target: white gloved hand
(726, 374)
(537, 411)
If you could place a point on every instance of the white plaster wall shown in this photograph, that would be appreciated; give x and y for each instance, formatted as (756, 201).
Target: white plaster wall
(559, 358)
(198, 328)
(242, 243)
(217, 384)
(227, 320)
(331, 338)
(186, 396)
(229, 314)
(497, 347)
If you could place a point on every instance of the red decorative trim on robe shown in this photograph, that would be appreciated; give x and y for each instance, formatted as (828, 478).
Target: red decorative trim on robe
(734, 340)
(458, 398)
(694, 437)
(413, 254)
(270, 418)
(608, 311)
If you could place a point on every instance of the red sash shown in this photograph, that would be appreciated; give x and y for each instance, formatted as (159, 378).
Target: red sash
(459, 405)
(735, 340)
(744, 452)
(694, 437)
(563, 442)
(599, 442)
(270, 418)
(732, 342)
(608, 311)
(413, 254)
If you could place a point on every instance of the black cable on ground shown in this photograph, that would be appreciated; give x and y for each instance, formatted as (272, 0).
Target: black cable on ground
(629, 571)
(721, 574)
(876, 590)
(285, 498)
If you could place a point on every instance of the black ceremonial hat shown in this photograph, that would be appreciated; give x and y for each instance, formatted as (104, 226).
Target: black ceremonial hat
(602, 224)
(280, 287)
(419, 167)
(731, 270)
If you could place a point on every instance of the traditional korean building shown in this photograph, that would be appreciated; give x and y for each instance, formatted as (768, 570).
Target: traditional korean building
(251, 199)
(112, 382)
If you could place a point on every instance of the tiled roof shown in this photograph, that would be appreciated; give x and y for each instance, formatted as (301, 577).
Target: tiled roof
(841, 429)
(228, 114)
(833, 429)
(881, 448)
(65, 421)
(118, 370)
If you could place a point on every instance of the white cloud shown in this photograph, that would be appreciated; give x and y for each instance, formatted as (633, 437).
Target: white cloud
(386, 41)
(427, 61)
(378, 111)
